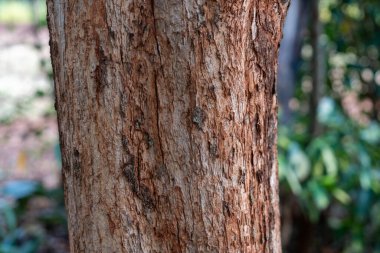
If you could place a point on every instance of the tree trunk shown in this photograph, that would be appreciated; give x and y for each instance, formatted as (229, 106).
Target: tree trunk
(289, 57)
(167, 121)
(317, 71)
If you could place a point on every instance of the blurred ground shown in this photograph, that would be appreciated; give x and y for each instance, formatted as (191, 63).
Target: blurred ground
(32, 216)
(28, 133)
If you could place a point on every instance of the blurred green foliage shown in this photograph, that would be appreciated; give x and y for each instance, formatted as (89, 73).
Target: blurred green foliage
(29, 216)
(335, 175)
(15, 12)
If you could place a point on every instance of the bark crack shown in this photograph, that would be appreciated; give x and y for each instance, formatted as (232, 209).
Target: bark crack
(155, 32)
(155, 82)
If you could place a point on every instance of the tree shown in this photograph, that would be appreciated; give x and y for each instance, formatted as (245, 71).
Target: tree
(167, 121)
(289, 57)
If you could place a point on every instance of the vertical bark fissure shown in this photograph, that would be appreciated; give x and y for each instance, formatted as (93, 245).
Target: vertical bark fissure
(155, 81)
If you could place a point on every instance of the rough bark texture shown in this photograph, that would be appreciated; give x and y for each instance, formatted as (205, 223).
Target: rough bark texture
(167, 118)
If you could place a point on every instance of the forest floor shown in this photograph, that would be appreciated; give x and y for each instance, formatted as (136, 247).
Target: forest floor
(28, 128)
(29, 147)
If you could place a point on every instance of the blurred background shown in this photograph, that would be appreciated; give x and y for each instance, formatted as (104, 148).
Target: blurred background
(32, 214)
(329, 132)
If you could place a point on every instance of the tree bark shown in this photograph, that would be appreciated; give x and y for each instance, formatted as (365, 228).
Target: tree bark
(167, 120)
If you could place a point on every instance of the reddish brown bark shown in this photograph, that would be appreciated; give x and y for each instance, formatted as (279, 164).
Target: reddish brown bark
(167, 118)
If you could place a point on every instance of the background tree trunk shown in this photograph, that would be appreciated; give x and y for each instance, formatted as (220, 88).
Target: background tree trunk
(289, 57)
(318, 70)
(167, 119)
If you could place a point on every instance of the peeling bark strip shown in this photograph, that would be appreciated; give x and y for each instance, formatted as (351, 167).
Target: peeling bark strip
(167, 119)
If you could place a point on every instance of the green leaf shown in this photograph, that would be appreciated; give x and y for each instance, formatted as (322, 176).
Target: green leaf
(319, 195)
(20, 188)
(299, 162)
(371, 134)
(293, 182)
(8, 216)
(342, 196)
(330, 161)
(365, 179)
